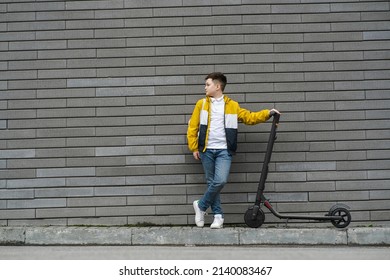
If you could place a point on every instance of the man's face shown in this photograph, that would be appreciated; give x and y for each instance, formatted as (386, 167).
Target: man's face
(211, 87)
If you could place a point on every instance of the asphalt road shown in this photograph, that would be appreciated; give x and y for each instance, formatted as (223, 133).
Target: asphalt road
(193, 253)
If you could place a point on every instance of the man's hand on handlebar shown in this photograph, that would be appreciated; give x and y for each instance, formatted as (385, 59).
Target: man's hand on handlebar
(273, 112)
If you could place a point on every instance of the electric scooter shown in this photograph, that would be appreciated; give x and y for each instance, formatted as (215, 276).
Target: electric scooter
(338, 214)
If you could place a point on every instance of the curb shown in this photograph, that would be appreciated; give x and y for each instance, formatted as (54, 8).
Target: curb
(191, 236)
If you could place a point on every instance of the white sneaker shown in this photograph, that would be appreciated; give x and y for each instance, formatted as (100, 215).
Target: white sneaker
(218, 221)
(199, 214)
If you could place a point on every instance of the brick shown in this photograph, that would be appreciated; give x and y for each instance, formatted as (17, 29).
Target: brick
(63, 54)
(64, 34)
(301, 27)
(37, 84)
(215, 39)
(155, 60)
(95, 43)
(126, 52)
(98, 82)
(336, 175)
(20, 26)
(334, 135)
(336, 155)
(17, 16)
(151, 3)
(271, 18)
(331, 17)
(45, 74)
(121, 191)
(118, 151)
(151, 22)
(22, 153)
(39, 222)
(3, 85)
(65, 212)
(156, 80)
(211, 21)
(182, 11)
(309, 166)
(71, 93)
(148, 42)
(124, 91)
(95, 181)
(378, 174)
(381, 15)
(35, 163)
(21, 7)
(245, 48)
(158, 220)
(129, 130)
(36, 183)
(16, 114)
(158, 179)
(159, 159)
(153, 120)
(124, 171)
(17, 55)
(96, 23)
(37, 45)
(66, 172)
(126, 211)
(124, 33)
(182, 31)
(64, 192)
(97, 121)
(340, 7)
(37, 203)
(17, 214)
(156, 200)
(95, 201)
(19, 75)
(36, 123)
(16, 194)
(109, 221)
(333, 37)
(303, 8)
(126, 71)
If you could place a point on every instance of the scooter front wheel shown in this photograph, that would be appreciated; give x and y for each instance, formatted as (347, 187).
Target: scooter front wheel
(344, 214)
(254, 222)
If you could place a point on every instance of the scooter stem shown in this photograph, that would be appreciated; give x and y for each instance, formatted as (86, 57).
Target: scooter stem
(267, 158)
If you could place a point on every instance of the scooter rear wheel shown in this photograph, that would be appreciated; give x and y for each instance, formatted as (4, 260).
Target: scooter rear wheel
(254, 223)
(345, 217)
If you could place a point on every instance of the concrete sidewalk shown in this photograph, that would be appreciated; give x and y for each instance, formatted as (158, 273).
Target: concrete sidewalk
(192, 236)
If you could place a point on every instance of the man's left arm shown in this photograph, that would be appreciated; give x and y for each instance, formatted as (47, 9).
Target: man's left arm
(251, 118)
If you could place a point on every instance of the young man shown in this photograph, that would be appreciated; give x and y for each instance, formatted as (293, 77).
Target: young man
(212, 138)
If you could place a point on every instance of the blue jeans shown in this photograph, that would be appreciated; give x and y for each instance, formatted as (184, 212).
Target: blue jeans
(216, 165)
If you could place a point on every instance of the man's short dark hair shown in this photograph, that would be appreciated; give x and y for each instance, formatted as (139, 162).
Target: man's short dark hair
(218, 76)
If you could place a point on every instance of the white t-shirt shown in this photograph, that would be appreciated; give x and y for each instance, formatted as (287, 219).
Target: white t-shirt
(217, 135)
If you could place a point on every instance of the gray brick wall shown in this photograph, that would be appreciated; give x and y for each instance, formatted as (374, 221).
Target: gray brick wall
(95, 97)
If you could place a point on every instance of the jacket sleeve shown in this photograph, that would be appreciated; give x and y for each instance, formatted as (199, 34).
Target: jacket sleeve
(251, 118)
(193, 127)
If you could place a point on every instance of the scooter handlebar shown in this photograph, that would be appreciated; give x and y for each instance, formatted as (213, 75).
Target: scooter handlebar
(276, 116)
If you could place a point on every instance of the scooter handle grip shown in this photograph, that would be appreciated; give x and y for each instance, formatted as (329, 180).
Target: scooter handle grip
(275, 115)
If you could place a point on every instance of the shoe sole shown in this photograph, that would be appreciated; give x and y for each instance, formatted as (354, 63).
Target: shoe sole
(216, 227)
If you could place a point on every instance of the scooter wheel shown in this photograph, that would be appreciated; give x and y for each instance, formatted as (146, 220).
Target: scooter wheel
(254, 222)
(345, 217)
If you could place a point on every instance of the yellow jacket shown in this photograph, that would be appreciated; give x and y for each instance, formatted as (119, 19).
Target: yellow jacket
(198, 126)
